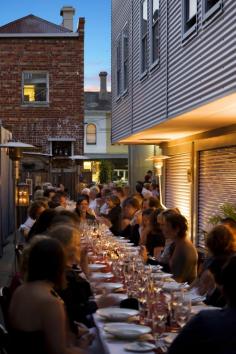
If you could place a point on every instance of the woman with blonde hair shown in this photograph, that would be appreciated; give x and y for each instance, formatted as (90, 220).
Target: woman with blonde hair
(77, 294)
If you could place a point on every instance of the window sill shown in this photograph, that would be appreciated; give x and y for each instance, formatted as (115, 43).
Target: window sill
(118, 98)
(143, 75)
(189, 33)
(43, 104)
(155, 65)
(125, 93)
(211, 14)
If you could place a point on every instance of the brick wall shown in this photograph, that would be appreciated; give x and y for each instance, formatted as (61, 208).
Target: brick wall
(63, 58)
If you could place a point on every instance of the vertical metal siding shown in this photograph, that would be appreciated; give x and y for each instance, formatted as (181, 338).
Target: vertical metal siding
(217, 181)
(177, 186)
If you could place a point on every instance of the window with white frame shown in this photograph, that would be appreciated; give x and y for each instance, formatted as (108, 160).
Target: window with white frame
(118, 67)
(91, 134)
(35, 87)
(125, 49)
(155, 30)
(144, 35)
(210, 7)
(189, 15)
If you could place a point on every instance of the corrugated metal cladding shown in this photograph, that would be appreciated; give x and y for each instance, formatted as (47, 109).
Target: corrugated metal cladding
(217, 181)
(122, 107)
(203, 68)
(189, 74)
(149, 95)
(145, 103)
(177, 186)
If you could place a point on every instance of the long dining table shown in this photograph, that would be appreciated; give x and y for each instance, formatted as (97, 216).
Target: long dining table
(108, 257)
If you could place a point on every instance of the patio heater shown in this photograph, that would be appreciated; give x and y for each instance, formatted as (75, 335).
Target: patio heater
(15, 151)
(158, 164)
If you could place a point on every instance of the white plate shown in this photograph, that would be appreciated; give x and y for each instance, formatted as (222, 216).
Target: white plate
(116, 313)
(98, 276)
(197, 308)
(110, 286)
(169, 337)
(96, 266)
(173, 285)
(161, 275)
(126, 330)
(194, 296)
(118, 296)
(139, 347)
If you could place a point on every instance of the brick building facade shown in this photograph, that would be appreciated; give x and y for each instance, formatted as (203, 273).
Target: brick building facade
(42, 92)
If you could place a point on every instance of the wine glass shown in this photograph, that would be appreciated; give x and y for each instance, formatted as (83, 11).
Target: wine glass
(159, 320)
(182, 312)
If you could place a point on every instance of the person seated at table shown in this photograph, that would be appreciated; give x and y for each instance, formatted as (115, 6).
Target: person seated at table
(77, 293)
(129, 224)
(35, 209)
(119, 192)
(221, 245)
(37, 317)
(183, 255)
(230, 223)
(152, 241)
(42, 224)
(212, 331)
(113, 218)
(151, 202)
(82, 209)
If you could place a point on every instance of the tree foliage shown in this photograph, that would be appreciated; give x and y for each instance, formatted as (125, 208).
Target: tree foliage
(105, 172)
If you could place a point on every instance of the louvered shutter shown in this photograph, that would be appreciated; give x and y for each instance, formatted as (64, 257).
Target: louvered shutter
(177, 185)
(217, 184)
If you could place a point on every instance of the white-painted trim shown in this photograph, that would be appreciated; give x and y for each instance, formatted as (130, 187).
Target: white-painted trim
(48, 35)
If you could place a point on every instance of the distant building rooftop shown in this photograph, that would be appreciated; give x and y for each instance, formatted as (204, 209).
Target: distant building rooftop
(32, 24)
(92, 102)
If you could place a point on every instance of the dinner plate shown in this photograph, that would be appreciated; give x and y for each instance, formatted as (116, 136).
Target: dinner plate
(96, 266)
(139, 347)
(161, 275)
(118, 296)
(169, 337)
(116, 313)
(173, 285)
(197, 308)
(110, 286)
(126, 330)
(194, 297)
(98, 276)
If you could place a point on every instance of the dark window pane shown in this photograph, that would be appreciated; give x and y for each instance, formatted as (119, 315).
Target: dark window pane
(61, 148)
(155, 42)
(210, 4)
(144, 54)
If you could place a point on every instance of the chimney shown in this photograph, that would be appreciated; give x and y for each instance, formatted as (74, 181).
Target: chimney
(67, 12)
(103, 85)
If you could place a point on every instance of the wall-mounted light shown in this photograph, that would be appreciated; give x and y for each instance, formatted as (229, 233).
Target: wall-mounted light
(158, 164)
(22, 194)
